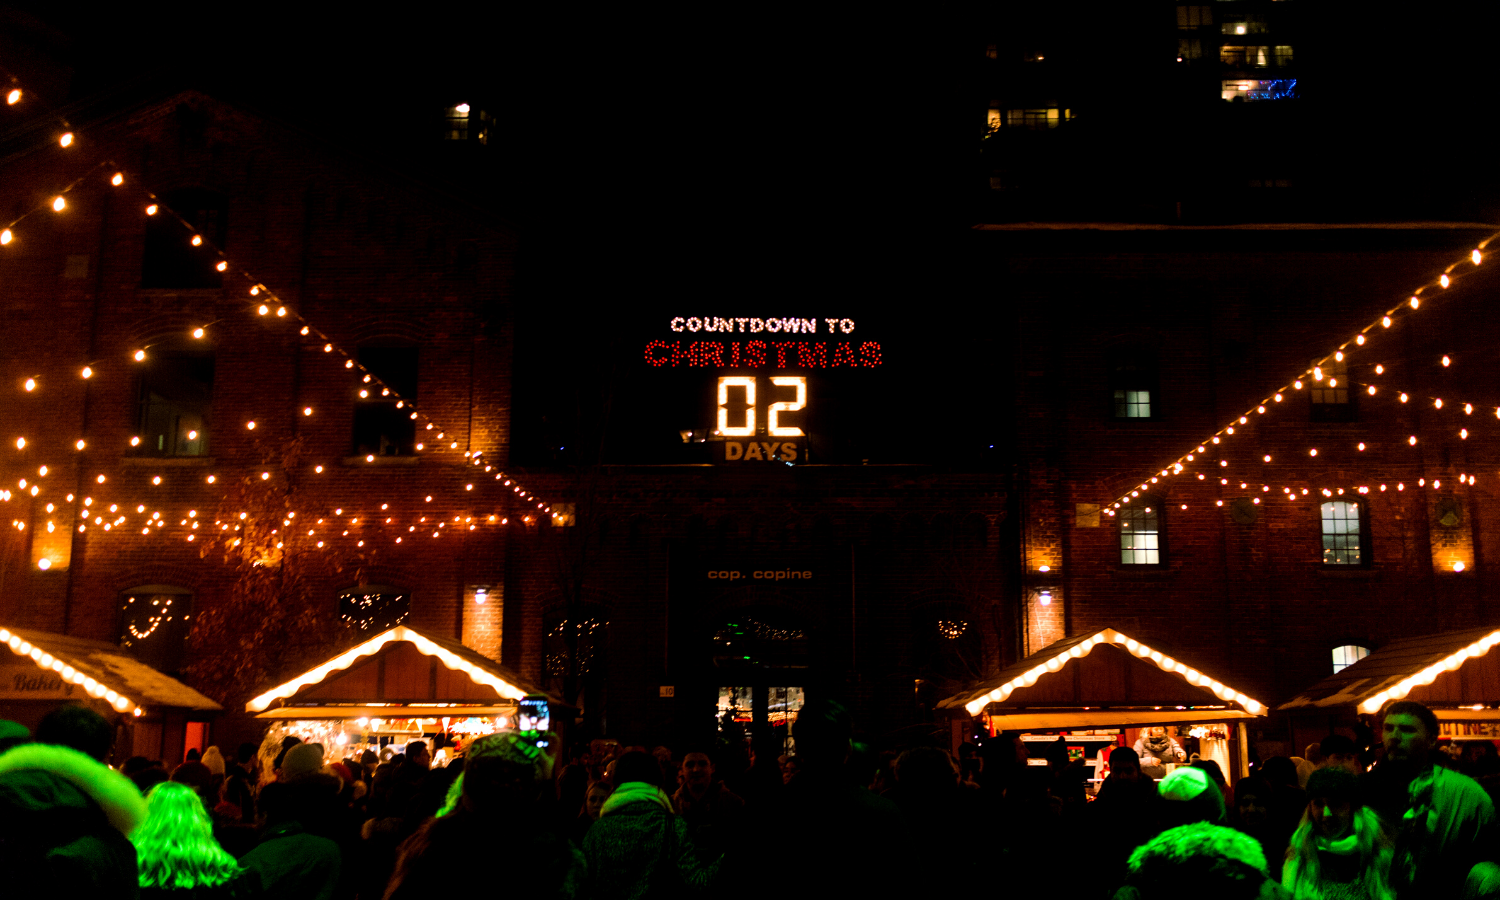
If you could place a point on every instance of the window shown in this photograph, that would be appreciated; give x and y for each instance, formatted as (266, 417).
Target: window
(1140, 536)
(374, 608)
(1348, 655)
(1189, 48)
(1037, 119)
(1133, 381)
(1332, 401)
(155, 622)
(1254, 91)
(1341, 534)
(1194, 16)
(177, 389)
(464, 123)
(1244, 25)
(381, 427)
(171, 260)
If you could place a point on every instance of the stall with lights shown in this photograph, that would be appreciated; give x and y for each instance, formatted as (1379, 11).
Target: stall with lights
(1101, 689)
(155, 715)
(1453, 673)
(398, 686)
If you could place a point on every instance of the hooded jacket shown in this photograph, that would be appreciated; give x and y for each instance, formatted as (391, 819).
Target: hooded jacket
(639, 848)
(65, 821)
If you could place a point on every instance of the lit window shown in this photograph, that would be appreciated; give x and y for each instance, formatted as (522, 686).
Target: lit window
(1140, 536)
(177, 387)
(1132, 376)
(1348, 655)
(1132, 404)
(1341, 534)
(380, 426)
(374, 608)
(465, 123)
(1194, 16)
(1252, 91)
(1244, 25)
(155, 622)
(1037, 119)
(1332, 401)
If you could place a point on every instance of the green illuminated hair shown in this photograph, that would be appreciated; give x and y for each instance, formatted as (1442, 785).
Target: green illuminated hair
(175, 846)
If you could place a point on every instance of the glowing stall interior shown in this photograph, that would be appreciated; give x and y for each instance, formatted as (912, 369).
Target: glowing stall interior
(153, 712)
(1100, 689)
(399, 685)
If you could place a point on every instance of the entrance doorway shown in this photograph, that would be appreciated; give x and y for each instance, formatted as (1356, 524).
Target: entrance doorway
(760, 658)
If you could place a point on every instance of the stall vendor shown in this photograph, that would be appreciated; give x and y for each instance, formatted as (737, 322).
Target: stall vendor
(1156, 748)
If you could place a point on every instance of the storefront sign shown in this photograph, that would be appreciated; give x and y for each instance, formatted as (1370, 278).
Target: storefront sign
(1449, 728)
(27, 682)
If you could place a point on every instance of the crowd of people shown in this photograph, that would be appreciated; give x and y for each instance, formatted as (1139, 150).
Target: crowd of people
(512, 813)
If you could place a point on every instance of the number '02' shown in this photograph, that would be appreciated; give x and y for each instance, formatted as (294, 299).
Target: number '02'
(773, 412)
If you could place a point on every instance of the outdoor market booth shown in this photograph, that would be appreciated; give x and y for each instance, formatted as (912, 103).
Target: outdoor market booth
(399, 686)
(1103, 689)
(155, 715)
(1453, 673)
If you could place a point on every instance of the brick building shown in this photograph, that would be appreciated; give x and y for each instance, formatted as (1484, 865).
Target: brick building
(234, 414)
(1275, 567)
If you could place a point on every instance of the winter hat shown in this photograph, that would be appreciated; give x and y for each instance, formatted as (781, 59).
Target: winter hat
(1123, 756)
(301, 761)
(1333, 783)
(12, 733)
(1192, 797)
(500, 763)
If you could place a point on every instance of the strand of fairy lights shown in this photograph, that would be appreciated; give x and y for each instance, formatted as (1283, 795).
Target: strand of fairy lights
(58, 204)
(1443, 282)
(67, 139)
(1454, 407)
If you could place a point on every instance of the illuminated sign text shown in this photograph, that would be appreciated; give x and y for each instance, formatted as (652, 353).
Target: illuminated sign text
(764, 354)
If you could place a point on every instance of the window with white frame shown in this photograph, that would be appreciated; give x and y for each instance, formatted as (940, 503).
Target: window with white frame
(1341, 534)
(1348, 655)
(1140, 536)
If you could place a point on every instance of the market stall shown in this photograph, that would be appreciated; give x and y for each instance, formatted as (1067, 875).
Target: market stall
(155, 715)
(1453, 673)
(398, 686)
(1104, 689)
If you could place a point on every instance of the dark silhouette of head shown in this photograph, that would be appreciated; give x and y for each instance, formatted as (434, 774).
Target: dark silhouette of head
(77, 727)
(637, 765)
(823, 729)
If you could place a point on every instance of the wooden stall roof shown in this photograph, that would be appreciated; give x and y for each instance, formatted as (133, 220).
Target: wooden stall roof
(401, 668)
(1450, 669)
(1104, 678)
(104, 671)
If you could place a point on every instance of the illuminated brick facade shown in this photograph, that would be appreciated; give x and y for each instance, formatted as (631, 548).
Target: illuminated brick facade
(1215, 321)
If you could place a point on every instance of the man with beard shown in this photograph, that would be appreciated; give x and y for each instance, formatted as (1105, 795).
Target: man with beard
(1444, 820)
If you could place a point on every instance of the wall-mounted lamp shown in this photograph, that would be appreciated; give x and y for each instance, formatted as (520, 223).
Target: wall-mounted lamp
(1044, 598)
(481, 593)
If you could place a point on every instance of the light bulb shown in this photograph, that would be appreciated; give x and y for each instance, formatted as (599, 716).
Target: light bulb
(140, 355)
(1446, 361)
(1360, 340)
(222, 265)
(198, 332)
(6, 237)
(250, 425)
(1386, 321)
(151, 209)
(1414, 302)
(67, 139)
(13, 97)
(59, 204)
(263, 309)
(281, 311)
(30, 384)
(118, 180)
(80, 445)
(1475, 257)
(1444, 280)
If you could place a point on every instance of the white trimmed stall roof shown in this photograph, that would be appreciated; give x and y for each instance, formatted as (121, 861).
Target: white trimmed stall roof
(104, 671)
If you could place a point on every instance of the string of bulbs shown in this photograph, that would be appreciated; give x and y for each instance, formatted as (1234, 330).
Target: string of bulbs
(1448, 277)
(263, 307)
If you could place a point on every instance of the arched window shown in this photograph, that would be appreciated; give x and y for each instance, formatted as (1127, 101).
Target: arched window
(1342, 534)
(1348, 655)
(155, 622)
(373, 608)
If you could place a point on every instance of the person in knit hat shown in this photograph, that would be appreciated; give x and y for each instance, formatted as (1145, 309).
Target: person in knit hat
(1189, 795)
(640, 847)
(498, 802)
